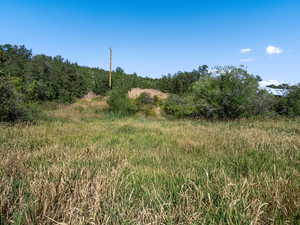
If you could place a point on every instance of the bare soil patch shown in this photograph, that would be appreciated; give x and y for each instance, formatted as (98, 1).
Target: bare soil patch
(136, 92)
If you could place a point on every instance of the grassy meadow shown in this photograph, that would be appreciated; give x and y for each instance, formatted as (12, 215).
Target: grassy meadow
(81, 165)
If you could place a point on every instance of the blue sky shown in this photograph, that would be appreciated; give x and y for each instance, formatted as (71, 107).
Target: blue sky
(159, 37)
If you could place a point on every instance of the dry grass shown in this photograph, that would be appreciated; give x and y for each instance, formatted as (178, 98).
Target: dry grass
(85, 166)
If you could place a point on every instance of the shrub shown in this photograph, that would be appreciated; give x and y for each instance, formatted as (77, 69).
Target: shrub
(101, 83)
(231, 94)
(148, 110)
(180, 106)
(120, 103)
(290, 104)
(156, 100)
(263, 104)
(12, 105)
(145, 99)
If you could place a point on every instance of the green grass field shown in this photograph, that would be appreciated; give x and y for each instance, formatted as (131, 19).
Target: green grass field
(85, 166)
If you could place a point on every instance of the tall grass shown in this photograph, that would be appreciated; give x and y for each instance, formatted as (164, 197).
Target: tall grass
(85, 167)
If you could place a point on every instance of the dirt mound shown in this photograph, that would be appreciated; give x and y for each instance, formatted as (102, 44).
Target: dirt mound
(89, 96)
(136, 92)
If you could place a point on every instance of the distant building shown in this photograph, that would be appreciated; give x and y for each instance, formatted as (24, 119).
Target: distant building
(276, 91)
(267, 85)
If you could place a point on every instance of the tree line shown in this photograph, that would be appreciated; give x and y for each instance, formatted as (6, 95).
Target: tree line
(27, 80)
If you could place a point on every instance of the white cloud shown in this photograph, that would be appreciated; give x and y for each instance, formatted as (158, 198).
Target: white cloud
(246, 50)
(247, 60)
(271, 50)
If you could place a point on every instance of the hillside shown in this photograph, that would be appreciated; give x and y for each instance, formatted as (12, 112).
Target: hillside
(83, 165)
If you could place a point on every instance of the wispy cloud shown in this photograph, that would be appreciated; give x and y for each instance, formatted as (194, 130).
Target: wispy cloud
(247, 60)
(246, 50)
(273, 50)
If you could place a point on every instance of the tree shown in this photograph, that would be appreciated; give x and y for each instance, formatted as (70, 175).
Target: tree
(182, 82)
(231, 94)
(13, 59)
(120, 103)
(290, 103)
(119, 70)
(12, 105)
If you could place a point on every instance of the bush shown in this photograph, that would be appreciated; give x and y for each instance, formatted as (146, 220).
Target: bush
(12, 105)
(263, 104)
(289, 105)
(232, 94)
(120, 103)
(180, 106)
(144, 99)
(101, 83)
(148, 110)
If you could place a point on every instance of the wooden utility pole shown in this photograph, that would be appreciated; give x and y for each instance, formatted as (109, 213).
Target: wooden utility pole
(110, 67)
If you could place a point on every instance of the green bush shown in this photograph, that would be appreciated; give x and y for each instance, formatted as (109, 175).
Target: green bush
(156, 100)
(289, 105)
(101, 83)
(148, 105)
(234, 93)
(147, 110)
(180, 106)
(12, 105)
(263, 104)
(145, 99)
(120, 103)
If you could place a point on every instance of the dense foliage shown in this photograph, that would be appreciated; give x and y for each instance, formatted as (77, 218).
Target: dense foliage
(180, 106)
(27, 79)
(227, 93)
(42, 78)
(12, 103)
(290, 104)
(181, 82)
(120, 103)
(120, 80)
(231, 94)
